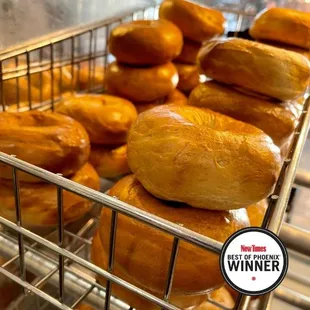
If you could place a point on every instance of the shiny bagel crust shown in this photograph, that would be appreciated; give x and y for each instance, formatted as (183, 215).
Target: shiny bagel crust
(189, 52)
(175, 97)
(146, 42)
(106, 118)
(100, 258)
(38, 202)
(257, 212)
(277, 120)
(48, 140)
(202, 158)
(257, 67)
(141, 84)
(197, 22)
(283, 25)
(189, 77)
(291, 48)
(109, 162)
(143, 253)
(90, 77)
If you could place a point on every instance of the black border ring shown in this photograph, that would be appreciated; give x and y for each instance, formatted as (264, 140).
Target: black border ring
(285, 261)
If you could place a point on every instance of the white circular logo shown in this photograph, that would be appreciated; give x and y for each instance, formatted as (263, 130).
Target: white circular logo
(253, 261)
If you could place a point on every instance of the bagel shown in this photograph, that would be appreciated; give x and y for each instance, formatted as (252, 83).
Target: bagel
(220, 296)
(146, 260)
(197, 22)
(277, 120)
(38, 202)
(202, 158)
(99, 258)
(90, 79)
(291, 48)
(48, 140)
(146, 42)
(66, 78)
(106, 118)
(189, 52)
(14, 92)
(283, 25)
(189, 77)
(174, 97)
(109, 162)
(257, 212)
(258, 67)
(141, 84)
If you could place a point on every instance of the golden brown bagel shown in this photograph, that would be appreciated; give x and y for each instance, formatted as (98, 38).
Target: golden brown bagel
(90, 78)
(141, 84)
(222, 297)
(258, 67)
(146, 42)
(109, 162)
(106, 118)
(291, 48)
(189, 52)
(146, 260)
(11, 96)
(283, 25)
(99, 258)
(277, 120)
(257, 212)
(39, 201)
(202, 158)
(66, 78)
(48, 140)
(234, 294)
(174, 97)
(188, 77)
(197, 22)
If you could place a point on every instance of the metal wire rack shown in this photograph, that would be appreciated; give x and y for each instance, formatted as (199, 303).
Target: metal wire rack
(61, 259)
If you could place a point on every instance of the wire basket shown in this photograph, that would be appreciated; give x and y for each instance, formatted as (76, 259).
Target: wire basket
(61, 259)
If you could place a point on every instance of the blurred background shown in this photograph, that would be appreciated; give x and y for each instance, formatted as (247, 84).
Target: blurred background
(22, 20)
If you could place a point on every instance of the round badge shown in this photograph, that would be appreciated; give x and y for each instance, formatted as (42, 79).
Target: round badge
(253, 261)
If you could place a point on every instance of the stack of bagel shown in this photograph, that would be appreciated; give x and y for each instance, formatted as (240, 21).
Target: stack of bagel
(143, 72)
(208, 166)
(197, 24)
(284, 28)
(107, 120)
(254, 82)
(53, 142)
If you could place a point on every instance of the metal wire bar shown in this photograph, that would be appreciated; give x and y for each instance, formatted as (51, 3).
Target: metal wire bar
(293, 298)
(289, 234)
(19, 223)
(33, 289)
(274, 215)
(81, 298)
(17, 85)
(36, 261)
(111, 257)
(76, 280)
(60, 242)
(302, 178)
(87, 265)
(172, 264)
(60, 36)
(117, 205)
(28, 80)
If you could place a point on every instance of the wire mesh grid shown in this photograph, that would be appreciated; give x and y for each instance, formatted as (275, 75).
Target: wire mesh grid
(61, 259)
